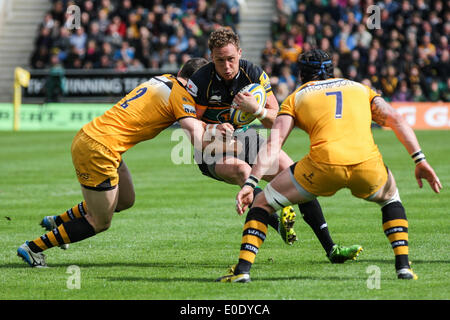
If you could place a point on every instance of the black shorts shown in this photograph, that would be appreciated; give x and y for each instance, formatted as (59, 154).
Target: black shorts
(251, 142)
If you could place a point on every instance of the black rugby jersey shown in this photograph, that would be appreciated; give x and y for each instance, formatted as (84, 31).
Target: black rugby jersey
(210, 91)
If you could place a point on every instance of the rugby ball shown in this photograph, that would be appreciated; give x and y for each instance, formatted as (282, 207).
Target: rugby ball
(240, 118)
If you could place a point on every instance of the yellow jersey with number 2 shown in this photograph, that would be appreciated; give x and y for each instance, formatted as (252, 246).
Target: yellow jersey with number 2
(142, 114)
(337, 116)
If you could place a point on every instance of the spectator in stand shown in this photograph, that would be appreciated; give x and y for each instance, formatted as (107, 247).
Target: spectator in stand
(88, 7)
(171, 63)
(290, 50)
(418, 95)
(120, 66)
(124, 54)
(103, 21)
(78, 41)
(362, 37)
(389, 81)
(346, 37)
(443, 66)
(105, 62)
(40, 58)
(411, 34)
(192, 48)
(287, 78)
(373, 76)
(435, 94)
(325, 45)
(402, 93)
(311, 35)
(179, 40)
(414, 36)
(92, 52)
(62, 42)
(44, 38)
(232, 12)
(107, 50)
(58, 12)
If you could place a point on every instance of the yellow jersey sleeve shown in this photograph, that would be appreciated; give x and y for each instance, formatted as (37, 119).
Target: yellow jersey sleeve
(264, 80)
(182, 102)
(372, 94)
(288, 105)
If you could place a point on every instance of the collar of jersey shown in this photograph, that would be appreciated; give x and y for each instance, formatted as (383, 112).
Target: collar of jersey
(220, 78)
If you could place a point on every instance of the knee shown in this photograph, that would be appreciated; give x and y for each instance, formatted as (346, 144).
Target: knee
(100, 224)
(103, 226)
(241, 172)
(124, 204)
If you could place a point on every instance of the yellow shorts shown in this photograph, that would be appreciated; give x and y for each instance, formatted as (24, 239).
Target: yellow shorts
(95, 165)
(320, 179)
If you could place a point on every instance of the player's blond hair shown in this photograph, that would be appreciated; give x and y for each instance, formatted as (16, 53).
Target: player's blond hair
(221, 37)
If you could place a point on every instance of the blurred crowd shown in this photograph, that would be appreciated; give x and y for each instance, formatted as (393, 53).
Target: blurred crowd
(404, 54)
(128, 35)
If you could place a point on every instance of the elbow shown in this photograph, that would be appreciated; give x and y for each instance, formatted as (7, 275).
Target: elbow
(396, 120)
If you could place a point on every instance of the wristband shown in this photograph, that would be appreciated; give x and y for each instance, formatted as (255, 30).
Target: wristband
(263, 116)
(418, 156)
(251, 181)
(212, 129)
(258, 112)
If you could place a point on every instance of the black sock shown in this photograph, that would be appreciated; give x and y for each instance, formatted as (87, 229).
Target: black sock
(395, 226)
(313, 216)
(253, 236)
(68, 232)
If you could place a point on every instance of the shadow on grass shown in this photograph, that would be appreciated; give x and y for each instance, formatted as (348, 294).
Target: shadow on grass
(190, 265)
(196, 279)
(380, 261)
(120, 264)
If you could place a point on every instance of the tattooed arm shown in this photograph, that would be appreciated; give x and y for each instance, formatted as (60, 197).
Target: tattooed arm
(386, 116)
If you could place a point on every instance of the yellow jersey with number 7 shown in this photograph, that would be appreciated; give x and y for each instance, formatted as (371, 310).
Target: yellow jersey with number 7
(337, 116)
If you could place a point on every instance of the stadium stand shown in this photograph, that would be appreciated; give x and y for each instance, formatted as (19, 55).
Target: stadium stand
(19, 20)
(407, 58)
(129, 34)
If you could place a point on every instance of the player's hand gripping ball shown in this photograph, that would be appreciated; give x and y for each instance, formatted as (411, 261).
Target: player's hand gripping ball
(239, 117)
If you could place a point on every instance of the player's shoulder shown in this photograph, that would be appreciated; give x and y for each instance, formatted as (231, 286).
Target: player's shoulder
(199, 81)
(203, 74)
(252, 70)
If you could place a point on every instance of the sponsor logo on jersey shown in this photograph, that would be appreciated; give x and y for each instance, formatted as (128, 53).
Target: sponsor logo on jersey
(189, 109)
(215, 99)
(192, 88)
(224, 116)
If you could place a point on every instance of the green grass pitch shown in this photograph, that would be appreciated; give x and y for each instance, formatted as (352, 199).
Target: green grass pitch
(183, 231)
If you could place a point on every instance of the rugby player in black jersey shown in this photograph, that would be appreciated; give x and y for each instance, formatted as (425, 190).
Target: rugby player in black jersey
(214, 87)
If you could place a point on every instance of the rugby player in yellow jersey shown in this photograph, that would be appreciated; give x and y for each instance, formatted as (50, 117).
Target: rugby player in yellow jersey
(337, 114)
(97, 151)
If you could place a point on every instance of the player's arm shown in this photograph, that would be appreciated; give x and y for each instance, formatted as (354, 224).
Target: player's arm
(266, 158)
(245, 101)
(385, 115)
(200, 110)
(270, 151)
(201, 136)
(272, 108)
(195, 130)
